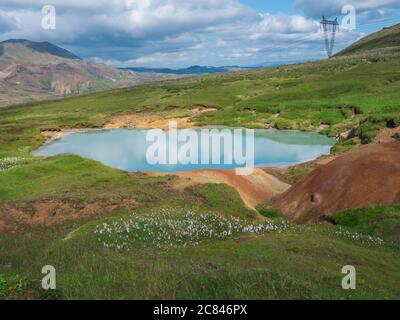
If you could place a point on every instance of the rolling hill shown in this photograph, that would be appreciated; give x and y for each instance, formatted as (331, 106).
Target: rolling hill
(37, 71)
(387, 38)
(24, 51)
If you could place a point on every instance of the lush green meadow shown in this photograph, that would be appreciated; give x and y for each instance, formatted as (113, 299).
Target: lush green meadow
(292, 263)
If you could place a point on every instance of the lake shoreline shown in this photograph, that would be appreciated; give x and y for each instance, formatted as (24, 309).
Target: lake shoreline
(258, 187)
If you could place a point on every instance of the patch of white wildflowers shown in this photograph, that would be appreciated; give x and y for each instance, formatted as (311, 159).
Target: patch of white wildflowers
(358, 237)
(13, 162)
(170, 228)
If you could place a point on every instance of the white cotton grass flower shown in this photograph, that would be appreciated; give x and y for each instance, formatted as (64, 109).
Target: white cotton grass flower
(366, 240)
(12, 162)
(176, 228)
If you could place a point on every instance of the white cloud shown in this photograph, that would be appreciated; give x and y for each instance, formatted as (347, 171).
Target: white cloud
(127, 19)
(281, 25)
(179, 32)
(7, 23)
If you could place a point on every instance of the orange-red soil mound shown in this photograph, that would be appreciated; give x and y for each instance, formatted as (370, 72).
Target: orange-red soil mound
(364, 177)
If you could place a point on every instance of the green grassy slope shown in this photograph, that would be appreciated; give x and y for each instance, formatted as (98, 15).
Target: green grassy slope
(20, 50)
(379, 221)
(20, 53)
(386, 38)
(299, 263)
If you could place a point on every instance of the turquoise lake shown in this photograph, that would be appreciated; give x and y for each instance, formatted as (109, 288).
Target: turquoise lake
(126, 149)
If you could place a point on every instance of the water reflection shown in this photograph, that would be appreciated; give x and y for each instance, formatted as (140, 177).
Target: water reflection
(126, 149)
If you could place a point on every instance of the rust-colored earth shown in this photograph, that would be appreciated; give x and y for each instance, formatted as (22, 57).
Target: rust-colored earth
(143, 119)
(367, 176)
(153, 120)
(49, 212)
(254, 189)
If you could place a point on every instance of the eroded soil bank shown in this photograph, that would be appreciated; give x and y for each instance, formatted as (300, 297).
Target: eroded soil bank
(153, 120)
(144, 119)
(363, 177)
(254, 189)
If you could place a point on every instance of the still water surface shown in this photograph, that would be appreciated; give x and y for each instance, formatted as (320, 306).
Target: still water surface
(126, 149)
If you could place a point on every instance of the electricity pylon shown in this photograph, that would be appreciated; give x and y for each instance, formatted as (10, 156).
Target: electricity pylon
(330, 27)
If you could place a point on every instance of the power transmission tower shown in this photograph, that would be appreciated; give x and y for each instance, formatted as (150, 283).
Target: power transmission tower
(330, 27)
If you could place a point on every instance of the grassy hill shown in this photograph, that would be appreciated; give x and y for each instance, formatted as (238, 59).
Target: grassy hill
(57, 207)
(384, 39)
(25, 51)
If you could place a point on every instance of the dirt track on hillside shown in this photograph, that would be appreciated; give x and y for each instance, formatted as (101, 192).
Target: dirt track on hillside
(367, 176)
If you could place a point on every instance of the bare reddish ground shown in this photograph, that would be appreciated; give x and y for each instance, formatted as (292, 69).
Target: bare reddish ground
(367, 176)
(50, 212)
(254, 189)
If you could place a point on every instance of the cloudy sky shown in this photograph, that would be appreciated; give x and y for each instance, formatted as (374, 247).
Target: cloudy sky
(180, 33)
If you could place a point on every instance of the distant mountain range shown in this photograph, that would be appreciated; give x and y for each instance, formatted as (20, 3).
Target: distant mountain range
(199, 70)
(31, 71)
(193, 70)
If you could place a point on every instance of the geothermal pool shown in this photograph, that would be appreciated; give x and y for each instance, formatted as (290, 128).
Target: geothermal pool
(144, 150)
